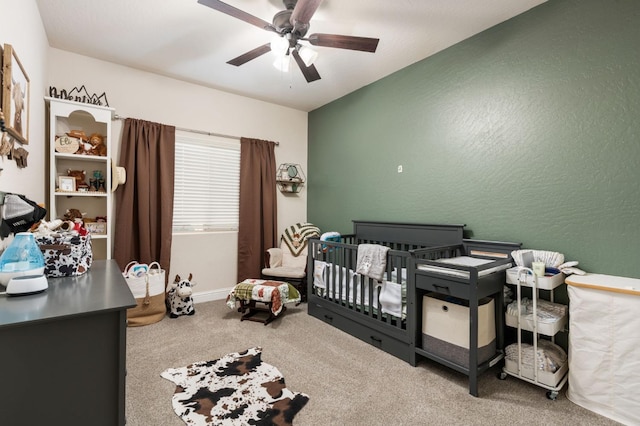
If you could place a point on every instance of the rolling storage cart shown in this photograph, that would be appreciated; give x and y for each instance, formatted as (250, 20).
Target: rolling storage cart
(524, 360)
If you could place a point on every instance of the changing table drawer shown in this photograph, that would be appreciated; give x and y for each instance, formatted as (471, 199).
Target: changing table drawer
(442, 286)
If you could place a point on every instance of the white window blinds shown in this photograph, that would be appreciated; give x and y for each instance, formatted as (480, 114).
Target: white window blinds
(207, 183)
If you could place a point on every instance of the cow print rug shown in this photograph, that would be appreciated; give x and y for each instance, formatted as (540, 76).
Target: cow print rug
(237, 389)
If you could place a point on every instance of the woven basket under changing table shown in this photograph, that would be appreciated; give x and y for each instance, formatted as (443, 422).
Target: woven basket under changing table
(445, 328)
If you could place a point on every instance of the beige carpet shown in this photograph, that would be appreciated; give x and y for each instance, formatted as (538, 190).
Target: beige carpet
(348, 381)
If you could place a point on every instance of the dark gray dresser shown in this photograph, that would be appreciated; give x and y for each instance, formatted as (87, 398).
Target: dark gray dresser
(62, 352)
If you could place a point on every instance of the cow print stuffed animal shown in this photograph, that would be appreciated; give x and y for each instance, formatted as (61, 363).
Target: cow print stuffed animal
(179, 301)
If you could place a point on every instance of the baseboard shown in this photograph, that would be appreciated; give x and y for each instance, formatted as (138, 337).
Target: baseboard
(209, 296)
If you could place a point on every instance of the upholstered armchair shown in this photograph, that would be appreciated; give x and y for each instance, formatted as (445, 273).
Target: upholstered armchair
(289, 261)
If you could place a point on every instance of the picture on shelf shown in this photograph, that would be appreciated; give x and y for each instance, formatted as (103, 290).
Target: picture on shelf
(96, 227)
(15, 96)
(66, 183)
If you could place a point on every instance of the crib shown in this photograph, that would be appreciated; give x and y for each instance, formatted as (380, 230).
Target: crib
(350, 302)
(423, 259)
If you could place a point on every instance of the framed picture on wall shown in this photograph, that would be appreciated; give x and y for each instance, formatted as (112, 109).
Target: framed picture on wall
(15, 96)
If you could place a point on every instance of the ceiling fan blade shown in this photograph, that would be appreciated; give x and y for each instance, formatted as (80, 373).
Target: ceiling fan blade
(303, 11)
(310, 72)
(364, 44)
(252, 54)
(237, 13)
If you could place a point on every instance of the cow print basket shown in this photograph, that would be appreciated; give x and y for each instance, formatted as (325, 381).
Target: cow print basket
(66, 254)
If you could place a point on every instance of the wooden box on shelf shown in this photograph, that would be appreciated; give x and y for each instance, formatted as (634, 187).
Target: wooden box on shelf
(99, 228)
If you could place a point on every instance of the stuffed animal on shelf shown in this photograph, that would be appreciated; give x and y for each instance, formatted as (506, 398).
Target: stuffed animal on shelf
(74, 215)
(80, 137)
(80, 175)
(97, 145)
(73, 220)
(179, 300)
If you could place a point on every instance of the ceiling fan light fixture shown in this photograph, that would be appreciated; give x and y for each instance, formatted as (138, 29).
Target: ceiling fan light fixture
(279, 45)
(283, 63)
(290, 26)
(307, 54)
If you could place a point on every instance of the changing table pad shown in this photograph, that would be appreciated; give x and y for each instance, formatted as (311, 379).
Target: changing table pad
(467, 261)
(277, 293)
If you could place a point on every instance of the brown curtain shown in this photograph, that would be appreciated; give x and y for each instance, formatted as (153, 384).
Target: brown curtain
(258, 227)
(144, 204)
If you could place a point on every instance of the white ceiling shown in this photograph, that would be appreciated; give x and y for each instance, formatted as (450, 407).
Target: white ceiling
(188, 41)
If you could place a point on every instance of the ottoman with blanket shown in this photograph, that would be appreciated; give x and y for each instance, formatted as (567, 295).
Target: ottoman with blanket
(256, 296)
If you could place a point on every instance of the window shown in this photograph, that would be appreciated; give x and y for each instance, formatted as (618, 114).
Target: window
(207, 183)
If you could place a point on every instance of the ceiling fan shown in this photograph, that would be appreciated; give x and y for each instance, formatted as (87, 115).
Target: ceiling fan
(292, 25)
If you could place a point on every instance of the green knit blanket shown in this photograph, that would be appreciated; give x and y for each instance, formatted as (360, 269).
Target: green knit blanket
(295, 237)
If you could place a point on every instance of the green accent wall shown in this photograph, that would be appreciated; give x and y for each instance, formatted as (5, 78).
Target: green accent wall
(527, 132)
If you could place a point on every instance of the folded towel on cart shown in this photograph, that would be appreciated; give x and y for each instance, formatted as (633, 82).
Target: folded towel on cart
(372, 260)
(549, 356)
(546, 312)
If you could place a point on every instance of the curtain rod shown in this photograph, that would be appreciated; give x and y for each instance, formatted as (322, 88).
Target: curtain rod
(200, 132)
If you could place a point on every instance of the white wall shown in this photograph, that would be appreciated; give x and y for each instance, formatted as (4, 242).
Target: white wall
(211, 258)
(21, 27)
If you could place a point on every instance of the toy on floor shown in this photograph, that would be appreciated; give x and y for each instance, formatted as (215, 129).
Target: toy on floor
(179, 301)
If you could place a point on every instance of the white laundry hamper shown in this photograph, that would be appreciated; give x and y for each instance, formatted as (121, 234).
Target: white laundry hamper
(604, 345)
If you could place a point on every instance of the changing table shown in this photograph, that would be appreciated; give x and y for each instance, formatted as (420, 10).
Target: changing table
(604, 345)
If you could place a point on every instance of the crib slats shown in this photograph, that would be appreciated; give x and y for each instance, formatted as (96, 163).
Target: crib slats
(355, 292)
